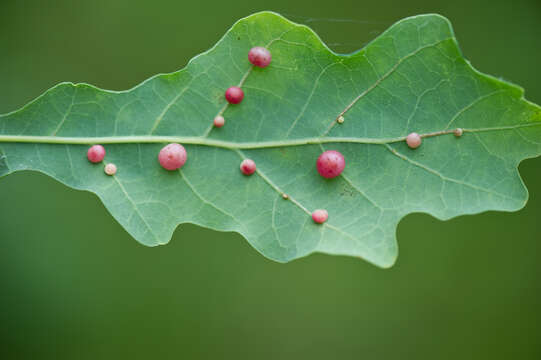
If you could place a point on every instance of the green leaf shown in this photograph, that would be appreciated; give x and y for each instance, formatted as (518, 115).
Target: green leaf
(412, 78)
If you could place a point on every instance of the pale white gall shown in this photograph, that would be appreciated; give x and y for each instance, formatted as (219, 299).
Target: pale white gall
(413, 140)
(110, 169)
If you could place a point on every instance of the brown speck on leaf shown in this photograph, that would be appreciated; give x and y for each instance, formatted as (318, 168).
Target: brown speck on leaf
(347, 191)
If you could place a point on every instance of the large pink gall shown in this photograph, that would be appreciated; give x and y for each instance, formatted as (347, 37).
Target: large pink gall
(234, 95)
(172, 156)
(247, 166)
(330, 164)
(320, 216)
(96, 154)
(219, 121)
(259, 56)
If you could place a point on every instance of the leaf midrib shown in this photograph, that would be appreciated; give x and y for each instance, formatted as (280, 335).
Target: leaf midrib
(232, 145)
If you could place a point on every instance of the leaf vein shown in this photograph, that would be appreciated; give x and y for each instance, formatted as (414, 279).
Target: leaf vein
(205, 201)
(443, 177)
(135, 208)
(68, 111)
(471, 105)
(381, 79)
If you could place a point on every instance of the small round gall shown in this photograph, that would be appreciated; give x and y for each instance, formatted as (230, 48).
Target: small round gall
(110, 169)
(247, 166)
(234, 95)
(458, 132)
(413, 140)
(219, 121)
(330, 164)
(259, 56)
(320, 216)
(340, 119)
(96, 154)
(285, 196)
(172, 156)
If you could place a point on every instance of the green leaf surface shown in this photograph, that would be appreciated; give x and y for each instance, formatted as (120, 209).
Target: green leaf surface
(412, 78)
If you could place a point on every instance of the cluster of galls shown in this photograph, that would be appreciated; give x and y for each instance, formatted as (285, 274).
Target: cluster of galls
(414, 140)
(329, 164)
(258, 56)
(96, 154)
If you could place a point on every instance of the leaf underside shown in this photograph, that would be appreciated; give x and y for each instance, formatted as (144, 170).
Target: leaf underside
(412, 78)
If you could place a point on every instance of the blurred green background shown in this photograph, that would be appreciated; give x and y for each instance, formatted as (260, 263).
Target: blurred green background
(74, 285)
